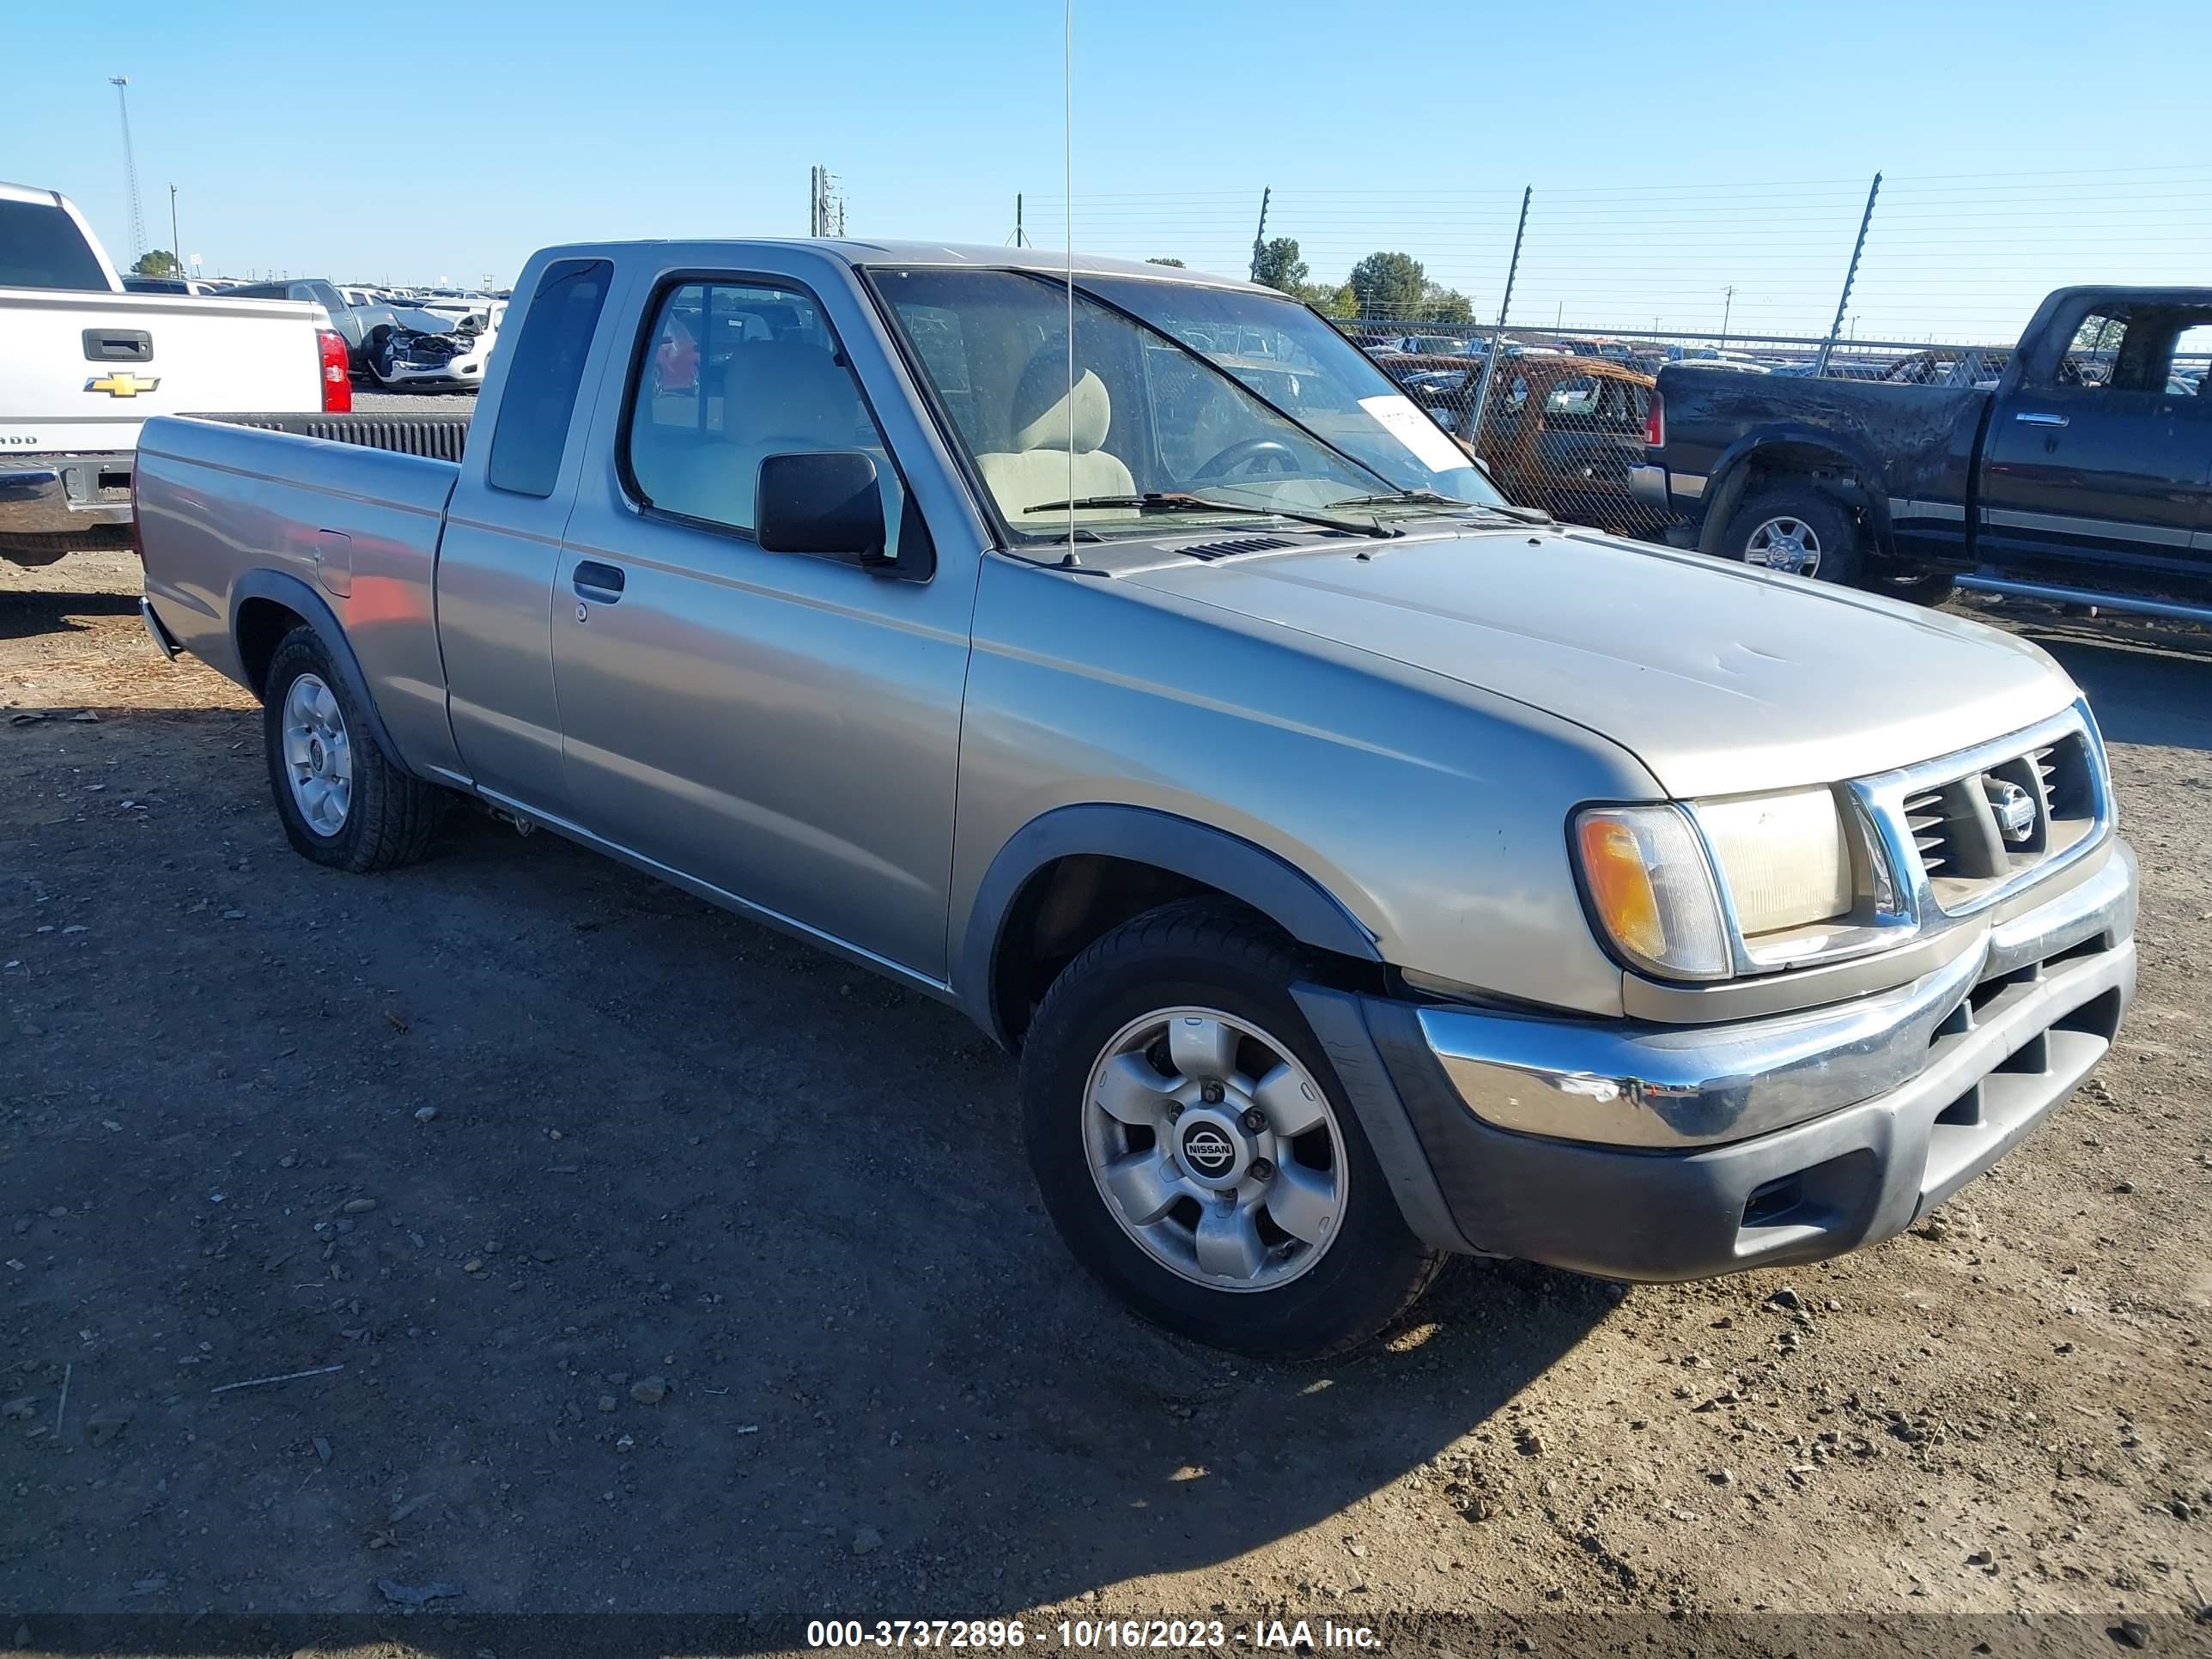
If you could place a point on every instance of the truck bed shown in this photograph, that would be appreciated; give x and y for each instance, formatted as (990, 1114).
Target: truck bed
(345, 511)
(1920, 438)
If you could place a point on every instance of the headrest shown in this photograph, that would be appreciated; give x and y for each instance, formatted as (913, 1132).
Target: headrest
(789, 389)
(1094, 413)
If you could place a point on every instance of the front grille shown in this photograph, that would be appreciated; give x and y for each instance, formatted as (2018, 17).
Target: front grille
(1983, 828)
(1930, 827)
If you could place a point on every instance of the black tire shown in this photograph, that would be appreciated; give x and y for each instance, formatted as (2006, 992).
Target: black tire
(1831, 522)
(393, 818)
(1930, 591)
(1203, 953)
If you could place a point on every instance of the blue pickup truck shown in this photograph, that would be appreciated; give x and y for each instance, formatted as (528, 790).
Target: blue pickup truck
(2081, 472)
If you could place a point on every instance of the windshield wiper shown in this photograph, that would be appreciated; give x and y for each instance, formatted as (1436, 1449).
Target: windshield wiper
(1176, 500)
(1431, 498)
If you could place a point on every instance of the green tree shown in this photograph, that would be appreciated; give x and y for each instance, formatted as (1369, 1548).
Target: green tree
(1279, 266)
(159, 263)
(1445, 305)
(1157, 260)
(1388, 285)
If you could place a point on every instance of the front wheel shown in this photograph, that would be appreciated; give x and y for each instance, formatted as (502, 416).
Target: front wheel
(1196, 1151)
(344, 801)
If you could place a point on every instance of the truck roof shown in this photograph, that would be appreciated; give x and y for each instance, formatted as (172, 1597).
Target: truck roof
(1045, 261)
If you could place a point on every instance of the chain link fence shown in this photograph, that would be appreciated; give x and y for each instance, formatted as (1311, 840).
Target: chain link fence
(1911, 281)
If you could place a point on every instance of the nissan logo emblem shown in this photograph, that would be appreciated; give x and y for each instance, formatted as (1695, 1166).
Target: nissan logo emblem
(1208, 1151)
(2015, 810)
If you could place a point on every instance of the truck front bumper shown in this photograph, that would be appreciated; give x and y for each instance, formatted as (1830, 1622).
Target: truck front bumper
(55, 495)
(1676, 1152)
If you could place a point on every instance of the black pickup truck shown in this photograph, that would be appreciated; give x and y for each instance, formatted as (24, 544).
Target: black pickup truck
(2079, 471)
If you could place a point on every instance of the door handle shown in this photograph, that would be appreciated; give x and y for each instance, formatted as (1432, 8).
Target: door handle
(2033, 419)
(597, 581)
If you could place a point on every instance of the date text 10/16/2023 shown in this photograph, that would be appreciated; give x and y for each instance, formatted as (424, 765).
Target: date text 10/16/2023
(1164, 1635)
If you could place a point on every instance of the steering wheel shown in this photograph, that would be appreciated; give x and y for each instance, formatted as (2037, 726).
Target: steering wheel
(1256, 453)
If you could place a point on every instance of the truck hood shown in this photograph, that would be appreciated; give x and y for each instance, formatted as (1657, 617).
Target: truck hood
(1720, 679)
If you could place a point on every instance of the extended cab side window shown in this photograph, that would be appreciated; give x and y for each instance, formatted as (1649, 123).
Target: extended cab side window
(540, 394)
(2094, 355)
(734, 373)
(2193, 362)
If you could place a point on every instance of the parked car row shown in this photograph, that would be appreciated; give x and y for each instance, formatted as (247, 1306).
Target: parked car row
(401, 339)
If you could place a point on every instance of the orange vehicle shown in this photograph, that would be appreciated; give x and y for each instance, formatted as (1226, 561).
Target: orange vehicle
(1561, 433)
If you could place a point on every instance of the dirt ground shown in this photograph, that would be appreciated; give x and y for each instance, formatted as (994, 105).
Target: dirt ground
(644, 1261)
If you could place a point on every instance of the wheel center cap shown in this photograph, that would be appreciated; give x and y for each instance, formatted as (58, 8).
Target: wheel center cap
(1213, 1147)
(315, 756)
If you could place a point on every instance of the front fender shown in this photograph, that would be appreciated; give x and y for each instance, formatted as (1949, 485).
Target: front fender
(1270, 884)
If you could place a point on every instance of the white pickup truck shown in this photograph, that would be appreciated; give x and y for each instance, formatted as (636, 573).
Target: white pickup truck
(83, 364)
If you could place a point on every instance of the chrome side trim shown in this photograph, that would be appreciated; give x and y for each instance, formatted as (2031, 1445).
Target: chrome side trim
(1621, 1085)
(1904, 507)
(2065, 524)
(1690, 486)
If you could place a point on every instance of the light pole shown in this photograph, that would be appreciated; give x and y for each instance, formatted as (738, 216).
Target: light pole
(1728, 305)
(176, 244)
(121, 83)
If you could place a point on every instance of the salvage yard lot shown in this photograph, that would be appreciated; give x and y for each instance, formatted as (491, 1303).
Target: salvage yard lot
(673, 1266)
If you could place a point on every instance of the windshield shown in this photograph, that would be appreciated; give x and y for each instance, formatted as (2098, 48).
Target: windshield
(1253, 404)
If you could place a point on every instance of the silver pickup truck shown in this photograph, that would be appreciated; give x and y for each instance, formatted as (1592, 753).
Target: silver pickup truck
(1366, 869)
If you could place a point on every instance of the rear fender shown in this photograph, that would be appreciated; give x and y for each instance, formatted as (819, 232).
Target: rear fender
(279, 587)
(1791, 448)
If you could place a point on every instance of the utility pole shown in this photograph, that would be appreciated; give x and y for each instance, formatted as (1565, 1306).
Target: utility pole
(1498, 334)
(1728, 305)
(1259, 236)
(1851, 276)
(130, 165)
(176, 243)
(1021, 236)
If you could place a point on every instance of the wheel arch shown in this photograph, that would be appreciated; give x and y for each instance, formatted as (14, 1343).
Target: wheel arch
(1071, 874)
(1830, 461)
(267, 604)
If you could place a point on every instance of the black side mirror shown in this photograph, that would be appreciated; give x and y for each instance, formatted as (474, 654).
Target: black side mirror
(824, 501)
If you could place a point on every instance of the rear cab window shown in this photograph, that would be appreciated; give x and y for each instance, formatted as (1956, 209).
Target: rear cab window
(40, 247)
(539, 399)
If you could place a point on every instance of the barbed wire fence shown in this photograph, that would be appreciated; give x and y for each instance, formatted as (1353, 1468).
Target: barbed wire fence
(1916, 278)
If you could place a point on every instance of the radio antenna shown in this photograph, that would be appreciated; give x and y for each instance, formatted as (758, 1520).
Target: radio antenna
(1067, 241)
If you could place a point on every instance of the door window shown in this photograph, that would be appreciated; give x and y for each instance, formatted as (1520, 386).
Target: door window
(734, 373)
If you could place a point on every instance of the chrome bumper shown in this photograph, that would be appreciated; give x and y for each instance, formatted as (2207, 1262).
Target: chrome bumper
(1648, 485)
(1672, 1088)
(56, 494)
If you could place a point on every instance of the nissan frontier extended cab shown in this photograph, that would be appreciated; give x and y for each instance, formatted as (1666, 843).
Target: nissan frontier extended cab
(1365, 869)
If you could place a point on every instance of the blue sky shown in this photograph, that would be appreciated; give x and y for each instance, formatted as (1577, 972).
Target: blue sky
(1676, 151)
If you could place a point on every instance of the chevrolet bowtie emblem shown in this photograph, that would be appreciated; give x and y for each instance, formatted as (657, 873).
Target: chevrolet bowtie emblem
(120, 385)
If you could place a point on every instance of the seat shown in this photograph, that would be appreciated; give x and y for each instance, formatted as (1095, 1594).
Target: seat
(1050, 462)
(779, 396)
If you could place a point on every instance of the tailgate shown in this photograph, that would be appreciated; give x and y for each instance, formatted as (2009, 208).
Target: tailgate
(80, 371)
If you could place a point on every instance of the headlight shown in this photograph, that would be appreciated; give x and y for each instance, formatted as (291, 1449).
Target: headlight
(1651, 890)
(1781, 858)
(1665, 882)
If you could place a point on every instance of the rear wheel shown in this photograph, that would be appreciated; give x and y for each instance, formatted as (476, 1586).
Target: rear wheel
(1196, 1151)
(344, 801)
(1796, 528)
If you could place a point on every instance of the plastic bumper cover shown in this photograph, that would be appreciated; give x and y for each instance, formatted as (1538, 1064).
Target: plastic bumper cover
(1861, 1140)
